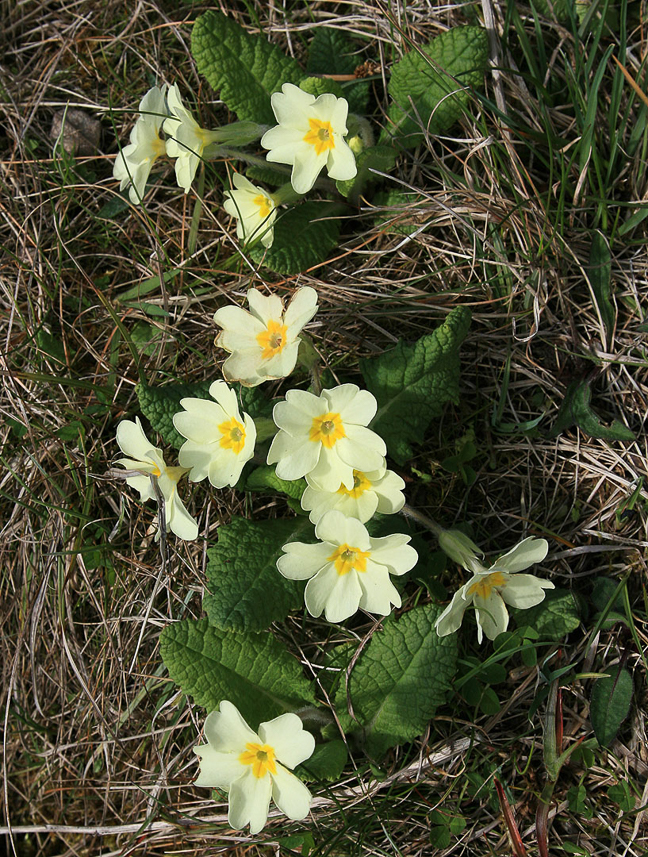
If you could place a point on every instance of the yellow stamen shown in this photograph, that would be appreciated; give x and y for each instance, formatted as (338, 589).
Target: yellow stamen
(327, 430)
(483, 587)
(320, 136)
(261, 757)
(272, 340)
(233, 435)
(360, 485)
(158, 147)
(264, 204)
(348, 559)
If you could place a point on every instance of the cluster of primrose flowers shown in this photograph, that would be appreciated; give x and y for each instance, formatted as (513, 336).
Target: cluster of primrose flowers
(309, 136)
(324, 438)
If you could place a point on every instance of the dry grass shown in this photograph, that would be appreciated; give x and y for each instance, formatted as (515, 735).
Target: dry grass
(97, 742)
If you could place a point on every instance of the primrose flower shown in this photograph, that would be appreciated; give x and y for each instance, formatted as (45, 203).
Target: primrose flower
(377, 491)
(255, 767)
(149, 464)
(325, 438)
(187, 140)
(134, 162)
(309, 136)
(254, 210)
(264, 342)
(491, 589)
(348, 569)
(219, 441)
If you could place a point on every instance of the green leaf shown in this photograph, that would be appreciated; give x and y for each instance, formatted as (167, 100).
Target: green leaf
(332, 53)
(412, 383)
(610, 704)
(620, 793)
(270, 175)
(246, 69)
(437, 78)
(599, 272)
(576, 410)
(247, 591)
(253, 671)
(326, 763)
(381, 158)
(399, 679)
(159, 404)
(264, 478)
(554, 617)
(320, 86)
(303, 237)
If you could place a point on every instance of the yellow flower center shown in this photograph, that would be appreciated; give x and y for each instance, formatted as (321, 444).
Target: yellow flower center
(320, 136)
(327, 429)
(233, 435)
(483, 587)
(158, 147)
(273, 339)
(360, 485)
(261, 757)
(348, 559)
(264, 204)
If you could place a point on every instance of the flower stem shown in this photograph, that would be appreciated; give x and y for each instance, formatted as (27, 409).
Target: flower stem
(422, 519)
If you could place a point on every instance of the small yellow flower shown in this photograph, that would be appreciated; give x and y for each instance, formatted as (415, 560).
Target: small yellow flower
(133, 164)
(254, 210)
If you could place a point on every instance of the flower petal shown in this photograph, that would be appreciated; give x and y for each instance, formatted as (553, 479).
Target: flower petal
(217, 770)
(265, 307)
(524, 591)
(492, 614)
(179, 521)
(337, 595)
(337, 529)
(290, 794)
(378, 592)
(292, 744)
(341, 163)
(227, 731)
(301, 561)
(133, 442)
(452, 617)
(523, 555)
(249, 800)
(300, 310)
(293, 459)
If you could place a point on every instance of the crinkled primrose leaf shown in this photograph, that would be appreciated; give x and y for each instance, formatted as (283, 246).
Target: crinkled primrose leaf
(610, 703)
(254, 671)
(400, 679)
(303, 237)
(326, 763)
(431, 85)
(576, 410)
(247, 592)
(556, 616)
(245, 69)
(412, 383)
(265, 479)
(332, 53)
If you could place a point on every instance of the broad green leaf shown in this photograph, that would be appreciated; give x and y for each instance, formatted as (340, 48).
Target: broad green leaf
(159, 404)
(245, 69)
(247, 591)
(412, 383)
(321, 85)
(275, 176)
(610, 703)
(253, 671)
(332, 53)
(576, 410)
(620, 793)
(303, 237)
(554, 617)
(599, 271)
(431, 85)
(326, 763)
(399, 679)
(264, 478)
(381, 158)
